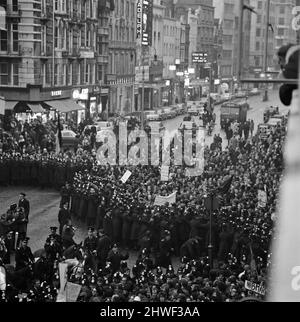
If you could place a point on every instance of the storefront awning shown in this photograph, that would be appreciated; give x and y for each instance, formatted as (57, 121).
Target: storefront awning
(64, 106)
(10, 105)
(36, 108)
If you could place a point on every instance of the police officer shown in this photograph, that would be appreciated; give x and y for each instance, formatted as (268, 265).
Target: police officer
(54, 235)
(24, 257)
(90, 247)
(23, 222)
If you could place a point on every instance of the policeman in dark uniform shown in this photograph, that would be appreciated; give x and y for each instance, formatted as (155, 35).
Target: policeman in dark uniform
(90, 247)
(53, 245)
(55, 235)
(65, 193)
(22, 227)
(24, 257)
(90, 243)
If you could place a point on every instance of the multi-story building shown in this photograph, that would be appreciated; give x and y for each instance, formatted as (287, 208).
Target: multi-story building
(227, 11)
(284, 33)
(280, 33)
(54, 54)
(171, 56)
(122, 57)
(151, 62)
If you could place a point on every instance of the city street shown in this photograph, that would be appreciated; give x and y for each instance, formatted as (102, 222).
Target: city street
(45, 203)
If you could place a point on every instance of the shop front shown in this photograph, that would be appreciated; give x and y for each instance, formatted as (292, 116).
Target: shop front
(89, 99)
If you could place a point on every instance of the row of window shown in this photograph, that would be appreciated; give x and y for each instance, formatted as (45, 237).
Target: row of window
(170, 49)
(171, 31)
(64, 74)
(125, 8)
(9, 39)
(9, 74)
(119, 33)
(87, 8)
(122, 64)
(65, 38)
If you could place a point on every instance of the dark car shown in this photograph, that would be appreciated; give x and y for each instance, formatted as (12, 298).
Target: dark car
(69, 139)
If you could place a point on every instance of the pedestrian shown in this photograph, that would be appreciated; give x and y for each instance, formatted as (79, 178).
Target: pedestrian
(116, 257)
(103, 247)
(63, 216)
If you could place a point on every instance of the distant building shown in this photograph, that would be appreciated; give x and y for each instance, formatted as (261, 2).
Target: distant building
(122, 57)
(52, 56)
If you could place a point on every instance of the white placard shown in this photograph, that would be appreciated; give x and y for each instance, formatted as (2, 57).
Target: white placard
(126, 176)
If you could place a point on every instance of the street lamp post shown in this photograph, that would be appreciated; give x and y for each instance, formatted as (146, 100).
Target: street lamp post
(211, 203)
(266, 98)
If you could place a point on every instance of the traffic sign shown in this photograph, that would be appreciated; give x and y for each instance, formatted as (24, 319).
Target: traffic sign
(211, 204)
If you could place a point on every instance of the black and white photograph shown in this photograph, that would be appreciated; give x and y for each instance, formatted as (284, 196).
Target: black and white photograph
(149, 154)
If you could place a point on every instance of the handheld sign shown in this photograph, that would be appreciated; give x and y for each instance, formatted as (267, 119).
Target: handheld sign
(160, 200)
(255, 288)
(126, 176)
(262, 198)
(72, 292)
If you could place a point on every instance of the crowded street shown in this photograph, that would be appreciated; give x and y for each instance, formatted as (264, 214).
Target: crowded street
(143, 151)
(48, 204)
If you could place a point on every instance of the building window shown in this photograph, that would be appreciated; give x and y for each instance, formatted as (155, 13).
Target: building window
(87, 73)
(56, 72)
(56, 36)
(15, 5)
(257, 46)
(281, 21)
(282, 9)
(258, 19)
(70, 74)
(15, 74)
(15, 38)
(79, 74)
(3, 73)
(100, 73)
(258, 32)
(3, 40)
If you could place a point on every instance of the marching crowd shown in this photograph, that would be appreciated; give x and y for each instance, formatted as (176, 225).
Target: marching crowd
(125, 215)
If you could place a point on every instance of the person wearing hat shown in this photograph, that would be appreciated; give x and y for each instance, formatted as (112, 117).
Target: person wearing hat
(103, 247)
(8, 241)
(90, 247)
(115, 257)
(23, 221)
(63, 216)
(23, 257)
(53, 245)
(54, 235)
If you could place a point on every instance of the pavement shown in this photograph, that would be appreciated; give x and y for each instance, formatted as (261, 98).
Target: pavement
(45, 203)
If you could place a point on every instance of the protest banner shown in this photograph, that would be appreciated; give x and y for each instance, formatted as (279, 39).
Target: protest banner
(2, 279)
(63, 275)
(164, 173)
(126, 176)
(72, 292)
(160, 200)
(255, 288)
(262, 198)
(61, 297)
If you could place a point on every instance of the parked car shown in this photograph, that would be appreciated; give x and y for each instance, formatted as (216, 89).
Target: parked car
(69, 139)
(151, 116)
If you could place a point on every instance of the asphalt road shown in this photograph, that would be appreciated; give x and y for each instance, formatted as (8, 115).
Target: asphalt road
(45, 203)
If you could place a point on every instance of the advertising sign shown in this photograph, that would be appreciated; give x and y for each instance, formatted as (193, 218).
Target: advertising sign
(199, 57)
(144, 19)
